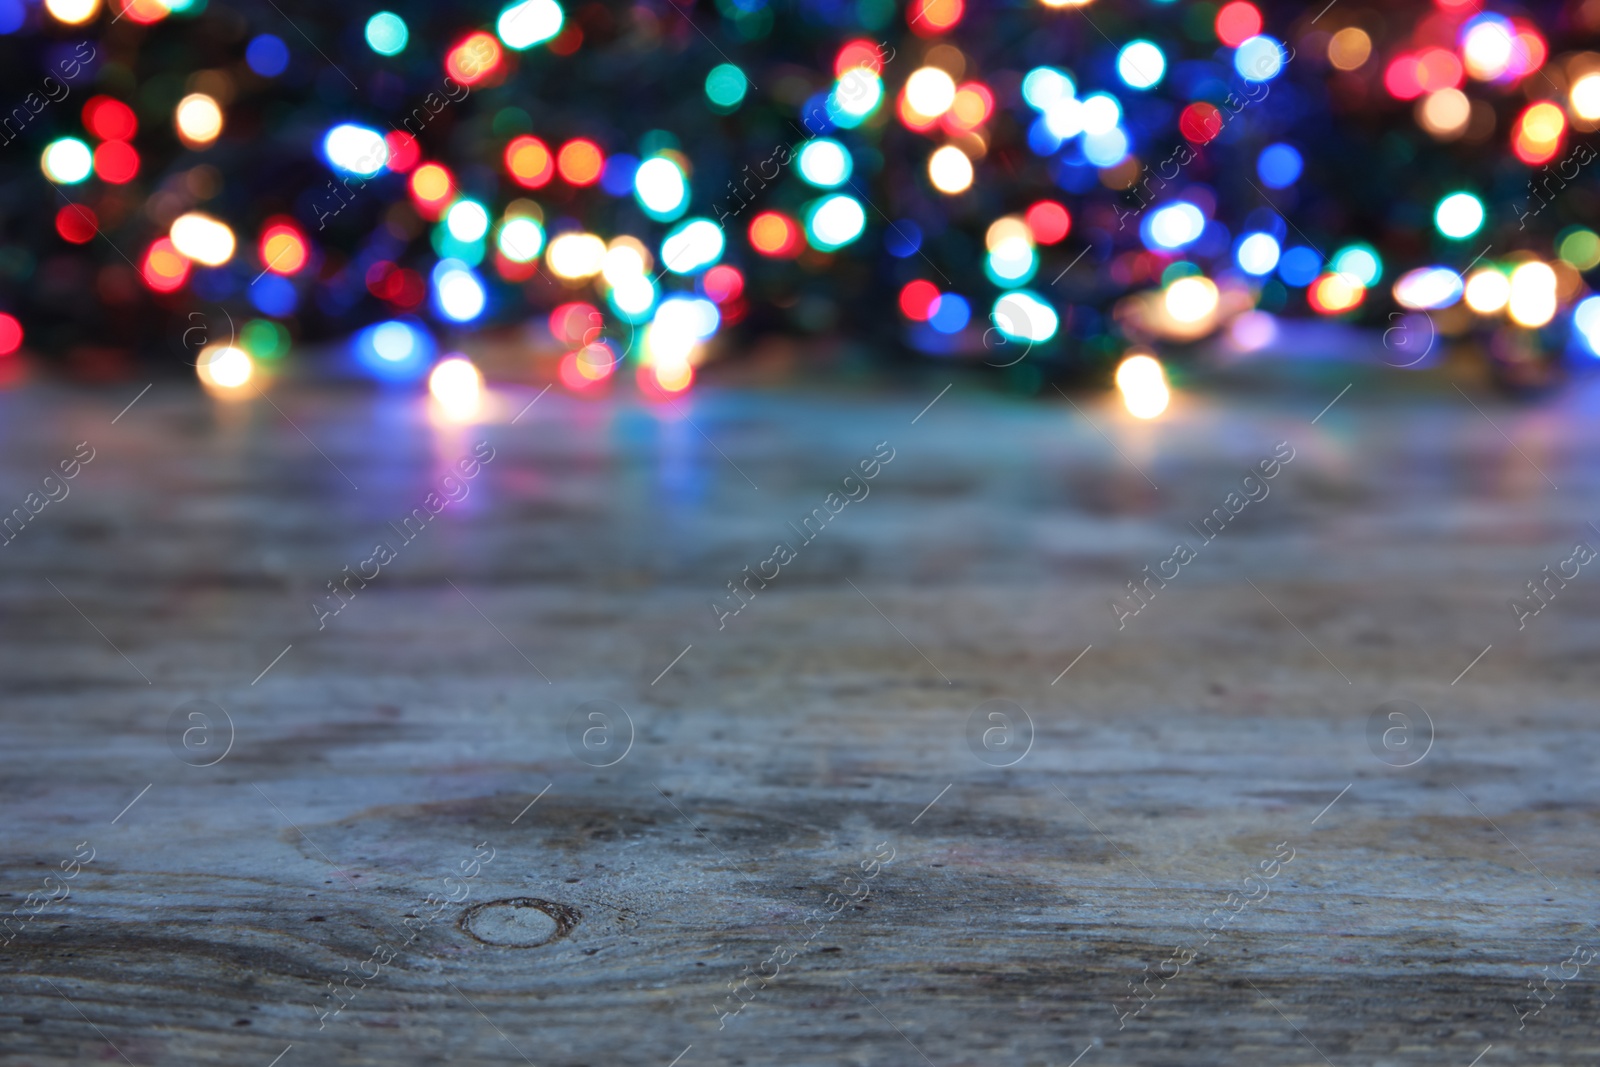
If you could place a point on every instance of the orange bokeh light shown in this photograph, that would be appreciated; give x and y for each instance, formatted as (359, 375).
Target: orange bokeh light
(283, 247)
(929, 17)
(474, 59)
(165, 268)
(773, 234)
(580, 162)
(432, 188)
(528, 162)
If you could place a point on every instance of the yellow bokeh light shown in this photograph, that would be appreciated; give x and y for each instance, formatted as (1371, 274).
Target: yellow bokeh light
(457, 386)
(1445, 114)
(1009, 228)
(202, 239)
(1487, 291)
(1143, 385)
(199, 120)
(1585, 97)
(576, 255)
(950, 170)
(1191, 299)
(1533, 295)
(72, 12)
(224, 368)
(930, 91)
(1349, 48)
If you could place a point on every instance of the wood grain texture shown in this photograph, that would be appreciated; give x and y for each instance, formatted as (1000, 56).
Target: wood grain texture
(825, 724)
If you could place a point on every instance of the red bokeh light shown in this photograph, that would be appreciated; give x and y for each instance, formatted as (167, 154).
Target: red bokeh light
(1403, 78)
(109, 120)
(1237, 23)
(116, 162)
(1200, 122)
(722, 283)
(860, 53)
(1048, 221)
(577, 324)
(10, 334)
(77, 223)
(917, 300)
(404, 152)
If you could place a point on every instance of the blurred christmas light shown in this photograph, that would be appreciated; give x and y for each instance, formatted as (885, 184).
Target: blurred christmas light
(1141, 64)
(1048, 222)
(1257, 253)
(835, 221)
(1350, 48)
(930, 92)
(917, 299)
(164, 269)
(116, 162)
(1359, 263)
(1258, 59)
(521, 26)
(576, 256)
(394, 350)
(198, 119)
(67, 161)
(1536, 137)
(1024, 316)
(692, 246)
(1488, 291)
(1173, 226)
(77, 224)
(110, 120)
(1334, 294)
(1428, 288)
(520, 239)
(1143, 385)
(10, 334)
(950, 170)
(824, 163)
(457, 386)
(387, 34)
(1585, 97)
(1459, 216)
(72, 12)
(354, 149)
(267, 55)
(284, 249)
(661, 189)
(458, 293)
(579, 162)
(224, 368)
(1533, 295)
(1191, 299)
(725, 87)
(202, 239)
(476, 58)
(774, 234)
(1237, 22)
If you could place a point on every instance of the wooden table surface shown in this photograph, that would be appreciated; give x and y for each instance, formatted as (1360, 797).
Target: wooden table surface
(403, 836)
